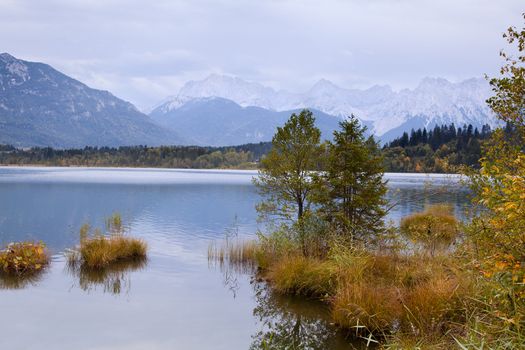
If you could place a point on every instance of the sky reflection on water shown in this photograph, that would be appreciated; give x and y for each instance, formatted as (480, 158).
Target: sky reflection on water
(175, 300)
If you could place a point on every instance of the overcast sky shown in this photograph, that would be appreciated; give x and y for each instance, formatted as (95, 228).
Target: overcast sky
(143, 51)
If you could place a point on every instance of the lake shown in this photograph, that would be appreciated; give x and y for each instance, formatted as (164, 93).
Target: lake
(177, 300)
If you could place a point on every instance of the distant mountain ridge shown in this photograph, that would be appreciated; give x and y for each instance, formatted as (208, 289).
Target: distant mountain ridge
(39, 106)
(387, 112)
(215, 121)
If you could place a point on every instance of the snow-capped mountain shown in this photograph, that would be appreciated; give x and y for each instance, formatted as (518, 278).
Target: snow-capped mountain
(39, 106)
(385, 111)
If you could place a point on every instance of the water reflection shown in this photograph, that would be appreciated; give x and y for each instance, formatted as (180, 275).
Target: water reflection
(177, 296)
(405, 200)
(113, 279)
(295, 323)
(20, 281)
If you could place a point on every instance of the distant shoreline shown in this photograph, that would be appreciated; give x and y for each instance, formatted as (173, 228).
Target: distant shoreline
(388, 174)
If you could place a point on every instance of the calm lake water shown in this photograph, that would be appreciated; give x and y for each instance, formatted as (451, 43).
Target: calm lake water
(177, 300)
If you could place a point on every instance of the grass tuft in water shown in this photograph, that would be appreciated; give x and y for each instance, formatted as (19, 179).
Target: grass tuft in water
(98, 250)
(23, 258)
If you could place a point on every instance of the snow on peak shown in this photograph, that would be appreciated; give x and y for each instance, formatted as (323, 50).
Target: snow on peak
(242, 92)
(324, 86)
(437, 100)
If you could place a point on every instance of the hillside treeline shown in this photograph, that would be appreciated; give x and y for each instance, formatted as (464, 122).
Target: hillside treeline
(240, 157)
(442, 149)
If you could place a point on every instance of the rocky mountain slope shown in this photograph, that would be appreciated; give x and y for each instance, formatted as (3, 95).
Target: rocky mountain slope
(39, 106)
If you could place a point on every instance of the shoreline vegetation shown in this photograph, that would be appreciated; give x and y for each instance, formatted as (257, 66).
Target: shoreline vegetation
(429, 283)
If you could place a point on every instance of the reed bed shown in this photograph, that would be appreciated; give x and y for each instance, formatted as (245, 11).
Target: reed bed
(370, 295)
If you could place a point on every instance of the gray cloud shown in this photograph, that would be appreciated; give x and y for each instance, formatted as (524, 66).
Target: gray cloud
(143, 51)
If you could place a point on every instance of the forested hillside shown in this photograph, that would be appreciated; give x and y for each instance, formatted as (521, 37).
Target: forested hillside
(440, 150)
(240, 157)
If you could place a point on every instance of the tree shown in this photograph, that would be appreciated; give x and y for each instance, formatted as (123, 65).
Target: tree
(284, 178)
(497, 234)
(352, 190)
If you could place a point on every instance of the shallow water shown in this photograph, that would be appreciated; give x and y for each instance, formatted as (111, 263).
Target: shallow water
(175, 301)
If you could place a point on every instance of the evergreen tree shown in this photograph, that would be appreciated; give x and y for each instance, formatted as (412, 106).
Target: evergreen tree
(403, 142)
(352, 186)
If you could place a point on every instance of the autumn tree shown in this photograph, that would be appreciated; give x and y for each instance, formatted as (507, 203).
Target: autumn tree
(498, 233)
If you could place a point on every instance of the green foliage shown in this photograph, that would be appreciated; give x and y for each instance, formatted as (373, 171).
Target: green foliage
(285, 174)
(244, 156)
(444, 149)
(23, 258)
(351, 190)
(435, 228)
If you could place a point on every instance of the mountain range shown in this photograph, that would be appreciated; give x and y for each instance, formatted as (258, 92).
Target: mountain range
(386, 112)
(40, 106)
(215, 121)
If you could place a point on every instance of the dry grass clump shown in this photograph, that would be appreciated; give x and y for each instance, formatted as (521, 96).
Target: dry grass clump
(101, 251)
(303, 276)
(417, 299)
(417, 296)
(23, 258)
(367, 307)
(413, 295)
(435, 228)
(97, 250)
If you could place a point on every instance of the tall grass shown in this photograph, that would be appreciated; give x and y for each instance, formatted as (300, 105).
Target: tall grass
(238, 255)
(97, 250)
(412, 298)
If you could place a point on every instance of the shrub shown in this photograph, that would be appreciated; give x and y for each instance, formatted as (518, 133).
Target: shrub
(23, 258)
(434, 228)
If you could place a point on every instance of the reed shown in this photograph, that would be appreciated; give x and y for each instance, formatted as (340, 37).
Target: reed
(97, 250)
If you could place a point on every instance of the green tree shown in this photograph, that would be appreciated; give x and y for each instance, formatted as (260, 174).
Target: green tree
(285, 180)
(352, 188)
